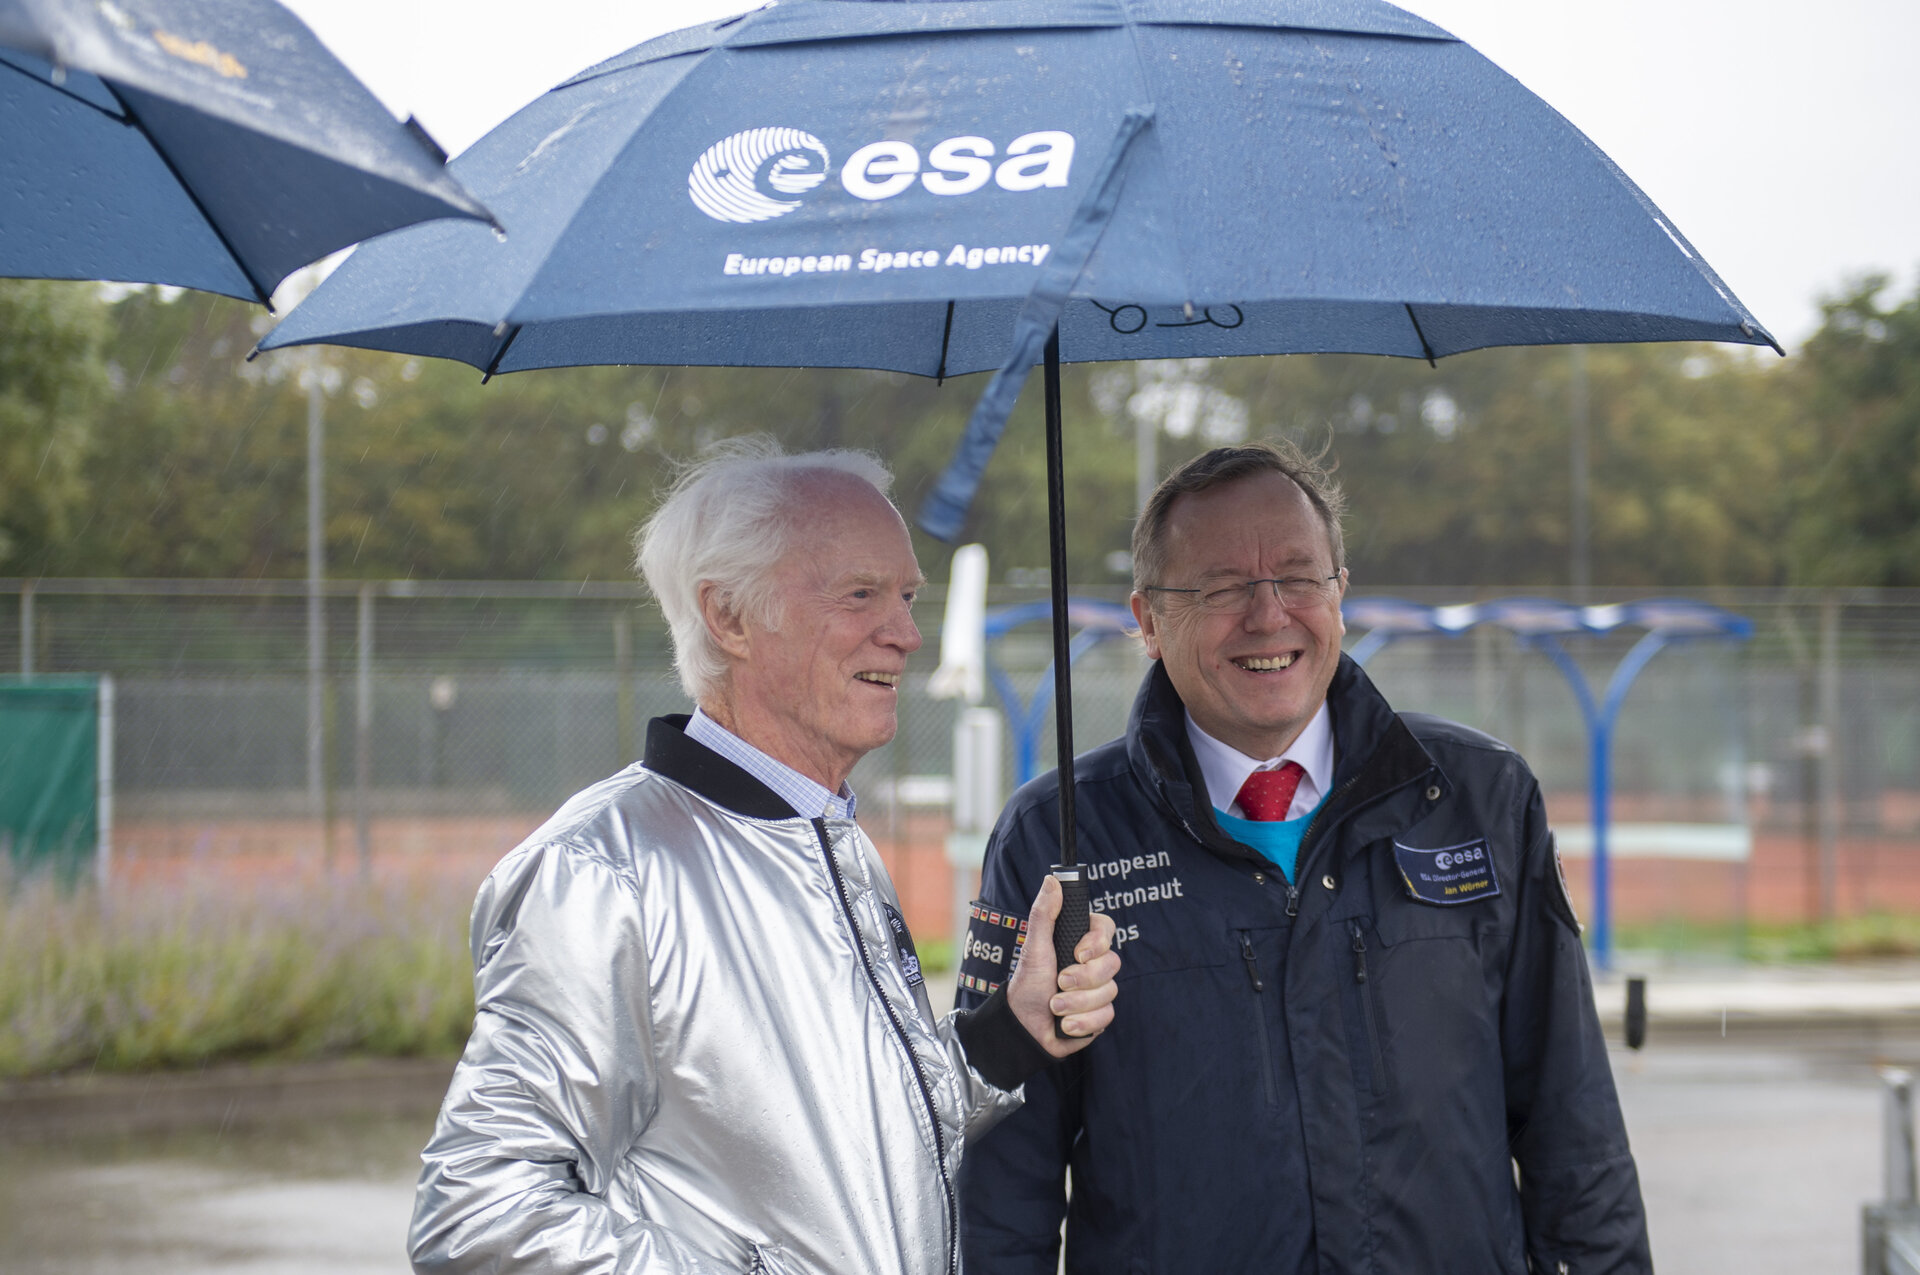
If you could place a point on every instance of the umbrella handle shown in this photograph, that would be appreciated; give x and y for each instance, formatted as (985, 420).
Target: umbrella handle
(1075, 919)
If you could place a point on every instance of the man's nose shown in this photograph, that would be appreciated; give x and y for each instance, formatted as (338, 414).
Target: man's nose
(902, 632)
(1264, 611)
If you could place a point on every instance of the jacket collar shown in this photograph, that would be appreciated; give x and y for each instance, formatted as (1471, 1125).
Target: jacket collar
(691, 764)
(1374, 753)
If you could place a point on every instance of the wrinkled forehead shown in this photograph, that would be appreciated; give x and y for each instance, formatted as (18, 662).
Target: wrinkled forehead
(1260, 525)
(841, 527)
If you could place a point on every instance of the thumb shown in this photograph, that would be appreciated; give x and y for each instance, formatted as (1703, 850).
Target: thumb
(1046, 910)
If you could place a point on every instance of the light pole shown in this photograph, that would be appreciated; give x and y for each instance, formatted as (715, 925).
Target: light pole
(318, 379)
(1146, 459)
(1580, 570)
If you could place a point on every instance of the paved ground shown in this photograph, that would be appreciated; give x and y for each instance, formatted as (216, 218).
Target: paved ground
(292, 1199)
(1756, 1148)
(1752, 1162)
(1705, 992)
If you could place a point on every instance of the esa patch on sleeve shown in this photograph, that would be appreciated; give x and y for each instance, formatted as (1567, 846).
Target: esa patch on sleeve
(903, 949)
(1448, 874)
(1563, 902)
(992, 946)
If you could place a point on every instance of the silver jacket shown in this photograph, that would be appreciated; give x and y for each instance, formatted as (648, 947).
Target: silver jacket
(697, 1048)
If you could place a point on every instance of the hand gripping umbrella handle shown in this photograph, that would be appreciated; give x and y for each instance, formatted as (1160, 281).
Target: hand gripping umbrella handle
(1075, 919)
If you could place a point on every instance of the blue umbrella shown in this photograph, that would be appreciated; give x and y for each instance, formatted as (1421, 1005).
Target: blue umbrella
(212, 144)
(949, 187)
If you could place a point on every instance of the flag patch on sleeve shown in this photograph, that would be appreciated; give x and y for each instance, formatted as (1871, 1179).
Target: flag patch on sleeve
(993, 941)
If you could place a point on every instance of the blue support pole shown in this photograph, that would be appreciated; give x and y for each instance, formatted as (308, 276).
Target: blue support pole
(1023, 741)
(1600, 797)
(1369, 646)
(1541, 624)
(1597, 793)
(1103, 620)
(1600, 719)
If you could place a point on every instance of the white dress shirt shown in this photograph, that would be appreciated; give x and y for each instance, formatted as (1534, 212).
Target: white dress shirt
(1226, 768)
(804, 795)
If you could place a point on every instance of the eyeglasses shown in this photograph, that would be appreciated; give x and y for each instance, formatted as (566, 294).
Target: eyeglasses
(1296, 593)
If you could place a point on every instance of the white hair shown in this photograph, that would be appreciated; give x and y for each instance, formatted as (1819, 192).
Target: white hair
(728, 519)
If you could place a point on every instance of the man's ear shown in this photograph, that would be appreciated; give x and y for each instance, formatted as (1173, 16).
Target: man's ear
(1149, 624)
(728, 630)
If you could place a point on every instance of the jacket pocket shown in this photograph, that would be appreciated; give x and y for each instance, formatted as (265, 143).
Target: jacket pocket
(1257, 984)
(1398, 920)
(1369, 1059)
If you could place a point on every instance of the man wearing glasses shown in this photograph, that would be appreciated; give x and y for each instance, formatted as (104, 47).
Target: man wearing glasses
(1359, 1030)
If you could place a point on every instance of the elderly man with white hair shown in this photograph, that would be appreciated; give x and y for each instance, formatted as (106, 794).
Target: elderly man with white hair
(702, 1039)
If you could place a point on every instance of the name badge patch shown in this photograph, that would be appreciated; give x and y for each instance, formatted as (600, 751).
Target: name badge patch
(992, 946)
(904, 950)
(1448, 874)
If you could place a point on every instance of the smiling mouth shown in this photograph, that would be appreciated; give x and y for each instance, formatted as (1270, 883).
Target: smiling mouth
(1267, 664)
(879, 679)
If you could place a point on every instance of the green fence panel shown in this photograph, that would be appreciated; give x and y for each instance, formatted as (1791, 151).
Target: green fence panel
(49, 773)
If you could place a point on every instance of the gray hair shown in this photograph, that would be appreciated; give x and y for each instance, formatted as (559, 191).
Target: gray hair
(728, 519)
(1221, 466)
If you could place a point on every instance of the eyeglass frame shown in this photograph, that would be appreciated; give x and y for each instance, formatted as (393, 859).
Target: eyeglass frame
(1248, 589)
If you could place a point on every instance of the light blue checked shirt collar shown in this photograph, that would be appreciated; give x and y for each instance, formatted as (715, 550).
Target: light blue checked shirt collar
(803, 794)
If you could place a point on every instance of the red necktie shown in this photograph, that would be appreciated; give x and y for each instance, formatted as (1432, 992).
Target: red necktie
(1268, 794)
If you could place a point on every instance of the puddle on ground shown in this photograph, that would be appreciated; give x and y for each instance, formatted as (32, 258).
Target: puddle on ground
(290, 1198)
(1751, 1160)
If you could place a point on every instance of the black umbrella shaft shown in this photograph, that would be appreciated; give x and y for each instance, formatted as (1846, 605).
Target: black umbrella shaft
(1076, 904)
(1057, 578)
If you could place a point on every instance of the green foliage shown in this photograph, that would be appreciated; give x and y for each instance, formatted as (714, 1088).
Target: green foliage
(169, 455)
(180, 978)
(1463, 474)
(1860, 497)
(51, 375)
(1872, 936)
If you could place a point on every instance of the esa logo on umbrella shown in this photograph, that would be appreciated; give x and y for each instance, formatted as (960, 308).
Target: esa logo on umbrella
(758, 174)
(763, 173)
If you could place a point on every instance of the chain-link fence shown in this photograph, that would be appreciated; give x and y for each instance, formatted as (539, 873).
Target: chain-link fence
(453, 716)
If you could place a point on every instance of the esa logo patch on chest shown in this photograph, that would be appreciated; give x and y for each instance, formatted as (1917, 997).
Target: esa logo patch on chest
(1448, 874)
(903, 948)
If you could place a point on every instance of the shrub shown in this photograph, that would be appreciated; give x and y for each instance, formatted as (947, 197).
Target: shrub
(181, 975)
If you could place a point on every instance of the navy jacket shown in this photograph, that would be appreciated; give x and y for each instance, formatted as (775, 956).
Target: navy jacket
(1393, 1066)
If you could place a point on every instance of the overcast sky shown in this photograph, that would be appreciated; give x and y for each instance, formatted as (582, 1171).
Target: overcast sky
(1782, 138)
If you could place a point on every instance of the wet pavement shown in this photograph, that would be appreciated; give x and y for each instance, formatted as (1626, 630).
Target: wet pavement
(1757, 1149)
(326, 1198)
(1752, 1161)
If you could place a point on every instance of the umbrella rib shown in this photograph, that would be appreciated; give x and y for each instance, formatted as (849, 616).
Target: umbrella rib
(1424, 347)
(940, 376)
(66, 92)
(499, 354)
(264, 294)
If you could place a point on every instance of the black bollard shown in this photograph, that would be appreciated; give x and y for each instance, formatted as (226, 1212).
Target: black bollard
(1636, 1012)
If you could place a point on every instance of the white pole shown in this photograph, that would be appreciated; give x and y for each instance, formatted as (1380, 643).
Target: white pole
(316, 575)
(977, 762)
(1146, 459)
(363, 733)
(1828, 794)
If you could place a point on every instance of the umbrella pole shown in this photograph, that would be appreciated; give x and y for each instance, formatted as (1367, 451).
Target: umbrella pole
(1075, 912)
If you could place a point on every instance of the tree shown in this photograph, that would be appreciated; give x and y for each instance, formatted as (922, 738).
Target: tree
(149, 446)
(51, 378)
(1859, 502)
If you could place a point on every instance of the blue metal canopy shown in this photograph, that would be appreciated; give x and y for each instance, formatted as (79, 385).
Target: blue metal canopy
(1543, 623)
